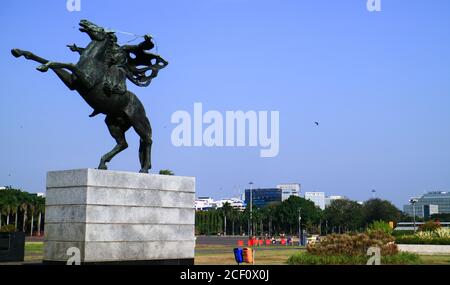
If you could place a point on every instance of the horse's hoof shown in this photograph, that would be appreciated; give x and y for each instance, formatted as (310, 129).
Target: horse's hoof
(143, 171)
(16, 52)
(102, 167)
(42, 68)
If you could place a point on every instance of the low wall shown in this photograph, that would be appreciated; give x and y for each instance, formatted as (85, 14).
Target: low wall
(425, 249)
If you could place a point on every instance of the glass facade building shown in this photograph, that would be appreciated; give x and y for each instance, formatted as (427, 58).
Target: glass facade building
(431, 203)
(263, 196)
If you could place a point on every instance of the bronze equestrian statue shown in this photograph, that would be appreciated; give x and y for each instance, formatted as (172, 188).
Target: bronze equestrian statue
(100, 76)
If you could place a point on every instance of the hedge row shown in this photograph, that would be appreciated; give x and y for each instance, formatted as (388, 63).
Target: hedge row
(402, 258)
(411, 239)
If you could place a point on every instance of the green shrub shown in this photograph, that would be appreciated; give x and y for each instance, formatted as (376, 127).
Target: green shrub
(442, 233)
(403, 258)
(397, 233)
(354, 244)
(438, 236)
(380, 226)
(425, 235)
(311, 259)
(8, 229)
(414, 239)
(166, 172)
(430, 226)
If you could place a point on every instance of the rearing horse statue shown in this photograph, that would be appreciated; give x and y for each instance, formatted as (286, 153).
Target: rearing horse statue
(100, 76)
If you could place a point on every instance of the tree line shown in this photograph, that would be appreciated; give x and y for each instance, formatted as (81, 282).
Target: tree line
(22, 209)
(284, 217)
(26, 212)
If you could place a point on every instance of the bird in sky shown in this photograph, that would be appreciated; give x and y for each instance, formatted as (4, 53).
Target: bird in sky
(317, 123)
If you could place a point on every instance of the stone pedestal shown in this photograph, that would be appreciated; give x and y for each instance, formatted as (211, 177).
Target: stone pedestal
(119, 217)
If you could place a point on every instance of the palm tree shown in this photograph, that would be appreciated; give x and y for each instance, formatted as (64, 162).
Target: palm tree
(226, 209)
(1, 210)
(4, 207)
(234, 215)
(15, 210)
(41, 209)
(7, 211)
(24, 208)
(32, 208)
(11, 202)
(256, 217)
(269, 212)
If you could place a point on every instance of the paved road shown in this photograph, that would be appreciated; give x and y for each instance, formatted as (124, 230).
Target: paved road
(220, 240)
(34, 239)
(228, 241)
(201, 240)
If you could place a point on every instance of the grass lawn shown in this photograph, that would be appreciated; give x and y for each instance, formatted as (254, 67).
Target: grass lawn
(435, 259)
(223, 255)
(34, 251)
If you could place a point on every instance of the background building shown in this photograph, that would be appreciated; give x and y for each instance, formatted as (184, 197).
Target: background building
(207, 203)
(289, 189)
(263, 196)
(317, 197)
(330, 199)
(234, 202)
(437, 202)
(429, 210)
(204, 203)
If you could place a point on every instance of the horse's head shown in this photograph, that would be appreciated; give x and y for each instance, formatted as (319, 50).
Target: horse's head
(102, 41)
(96, 33)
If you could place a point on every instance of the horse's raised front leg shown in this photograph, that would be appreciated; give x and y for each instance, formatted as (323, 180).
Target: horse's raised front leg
(81, 76)
(65, 76)
(52, 65)
(28, 55)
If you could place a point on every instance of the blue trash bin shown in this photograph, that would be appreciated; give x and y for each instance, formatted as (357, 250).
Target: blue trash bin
(238, 255)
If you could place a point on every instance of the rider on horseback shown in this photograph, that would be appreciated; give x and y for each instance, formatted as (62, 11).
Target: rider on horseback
(132, 62)
(123, 65)
(116, 76)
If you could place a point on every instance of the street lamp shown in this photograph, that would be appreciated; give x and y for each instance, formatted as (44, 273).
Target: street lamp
(299, 226)
(251, 208)
(413, 201)
(373, 193)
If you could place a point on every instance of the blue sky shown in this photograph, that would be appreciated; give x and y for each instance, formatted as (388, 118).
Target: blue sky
(378, 83)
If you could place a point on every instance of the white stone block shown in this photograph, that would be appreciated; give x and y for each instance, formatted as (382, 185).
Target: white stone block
(114, 216)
